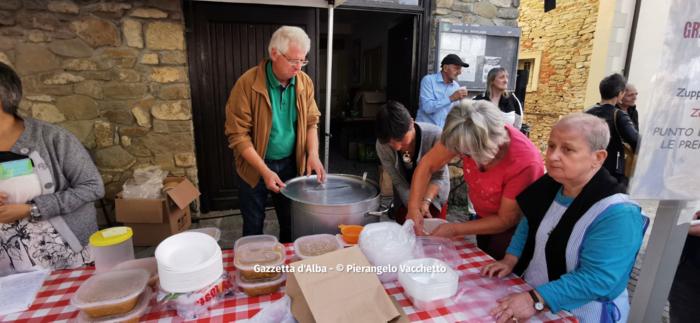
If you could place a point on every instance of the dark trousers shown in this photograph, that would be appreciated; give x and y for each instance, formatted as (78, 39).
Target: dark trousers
(252, 201)
(684, 298)
(495, 245)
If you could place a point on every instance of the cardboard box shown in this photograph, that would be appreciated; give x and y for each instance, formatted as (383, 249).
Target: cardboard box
(338, 295)
(180, 192)
(149, 234)
(369, 102)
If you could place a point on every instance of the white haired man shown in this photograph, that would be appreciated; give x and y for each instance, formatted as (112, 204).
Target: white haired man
(271, 125)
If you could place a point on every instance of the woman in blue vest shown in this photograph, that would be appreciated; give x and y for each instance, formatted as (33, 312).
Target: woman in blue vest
(577, 243)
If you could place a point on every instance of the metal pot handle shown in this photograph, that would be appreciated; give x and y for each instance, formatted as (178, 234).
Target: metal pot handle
(380, 213)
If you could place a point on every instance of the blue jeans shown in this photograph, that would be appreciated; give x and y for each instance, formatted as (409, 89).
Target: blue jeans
(252, 201)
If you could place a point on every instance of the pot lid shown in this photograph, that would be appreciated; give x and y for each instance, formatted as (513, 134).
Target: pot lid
(338, 189)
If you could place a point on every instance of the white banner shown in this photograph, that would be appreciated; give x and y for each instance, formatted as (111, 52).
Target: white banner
(668, 163)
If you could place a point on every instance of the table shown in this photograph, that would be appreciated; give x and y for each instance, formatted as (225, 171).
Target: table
(53, 300)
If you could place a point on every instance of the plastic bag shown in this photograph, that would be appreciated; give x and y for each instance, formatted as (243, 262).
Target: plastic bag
(193, 305)
(146, 184)
(388, 244)
(279, 311)
(21, 189)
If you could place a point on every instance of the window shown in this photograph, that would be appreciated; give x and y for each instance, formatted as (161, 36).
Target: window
(530, 61)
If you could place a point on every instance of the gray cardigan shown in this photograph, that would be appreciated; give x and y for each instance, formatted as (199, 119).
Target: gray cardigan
(69, 179)
(430, 135)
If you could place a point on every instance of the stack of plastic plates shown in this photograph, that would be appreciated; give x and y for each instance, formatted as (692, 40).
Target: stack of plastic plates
(188, 261)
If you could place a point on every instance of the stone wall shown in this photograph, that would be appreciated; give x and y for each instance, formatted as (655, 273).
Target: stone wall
(565, 38)
(113, 73)
(481, 12)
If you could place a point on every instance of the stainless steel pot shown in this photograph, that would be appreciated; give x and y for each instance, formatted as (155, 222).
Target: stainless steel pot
(342, 199)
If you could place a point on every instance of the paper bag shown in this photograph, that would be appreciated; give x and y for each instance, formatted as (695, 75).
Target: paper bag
(338, 295)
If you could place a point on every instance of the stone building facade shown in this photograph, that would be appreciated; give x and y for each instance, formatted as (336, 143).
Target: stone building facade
(480, 12)
(113, 73)
(563, 39)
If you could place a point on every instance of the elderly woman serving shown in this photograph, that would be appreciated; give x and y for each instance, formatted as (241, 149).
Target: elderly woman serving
(498, 163)
(580, 234)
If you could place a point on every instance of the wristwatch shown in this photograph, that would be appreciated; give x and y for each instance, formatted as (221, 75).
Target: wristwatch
(34, 211)
(538, 305)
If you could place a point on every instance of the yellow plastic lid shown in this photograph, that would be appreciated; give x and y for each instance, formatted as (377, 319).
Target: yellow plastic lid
(111, 236)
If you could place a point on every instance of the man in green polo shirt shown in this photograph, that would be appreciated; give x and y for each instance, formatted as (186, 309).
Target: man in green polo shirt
(272, 127)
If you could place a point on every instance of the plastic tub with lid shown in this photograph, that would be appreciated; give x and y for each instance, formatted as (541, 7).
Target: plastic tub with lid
(265, 287)
(110, 293)
(129, 317)
(149, 264)
(111, 246)
(251, 252)
(316, 245)
(430, 282)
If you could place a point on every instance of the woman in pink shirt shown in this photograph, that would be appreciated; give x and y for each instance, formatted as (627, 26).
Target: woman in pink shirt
(498, 163)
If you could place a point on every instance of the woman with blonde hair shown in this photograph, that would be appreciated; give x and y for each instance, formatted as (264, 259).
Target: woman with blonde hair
(497, 93)
(498, 163)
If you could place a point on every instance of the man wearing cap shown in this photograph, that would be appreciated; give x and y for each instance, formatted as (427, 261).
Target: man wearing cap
(438, 91)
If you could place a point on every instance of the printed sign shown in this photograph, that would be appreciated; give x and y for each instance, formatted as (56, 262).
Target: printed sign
(668, 163)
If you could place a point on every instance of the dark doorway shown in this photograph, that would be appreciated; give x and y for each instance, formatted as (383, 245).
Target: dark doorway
(401, 54)
(374, 60)
(223, 41)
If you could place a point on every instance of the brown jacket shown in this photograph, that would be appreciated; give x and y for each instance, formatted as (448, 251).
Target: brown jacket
(249, 119)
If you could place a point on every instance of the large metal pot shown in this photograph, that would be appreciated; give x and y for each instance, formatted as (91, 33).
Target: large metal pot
(320, 208)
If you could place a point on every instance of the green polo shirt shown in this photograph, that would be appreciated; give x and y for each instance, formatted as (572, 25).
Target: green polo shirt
(284, 116)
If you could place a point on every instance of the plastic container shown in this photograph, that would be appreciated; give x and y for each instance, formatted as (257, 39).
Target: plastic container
(388, 244)
(316, 245)
(259, 288)
(110, 293)
(148, 264)
(438, 248)
(212, 231)
(430, 284)
(430, 224)
(350, 233)
(259, 250)
(188, 261)
(111, 246)
(131, 317)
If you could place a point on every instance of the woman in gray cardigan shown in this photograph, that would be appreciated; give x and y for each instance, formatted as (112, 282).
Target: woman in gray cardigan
(401, 143)
(48, 186)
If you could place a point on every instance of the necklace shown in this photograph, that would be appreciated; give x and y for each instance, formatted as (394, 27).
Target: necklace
(407, 159)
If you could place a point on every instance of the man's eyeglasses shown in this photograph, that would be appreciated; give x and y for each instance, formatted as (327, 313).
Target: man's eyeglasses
(300, 62)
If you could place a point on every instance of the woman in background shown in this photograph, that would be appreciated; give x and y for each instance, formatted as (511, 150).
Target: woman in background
(497, 93)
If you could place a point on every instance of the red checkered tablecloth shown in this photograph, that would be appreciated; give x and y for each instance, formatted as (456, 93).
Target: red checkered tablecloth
(52, 303)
